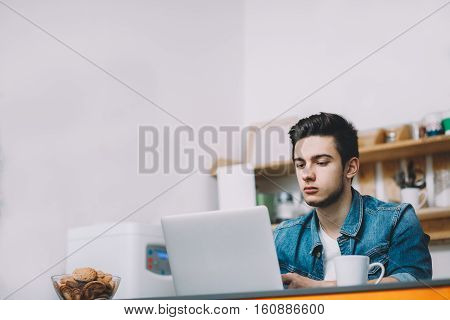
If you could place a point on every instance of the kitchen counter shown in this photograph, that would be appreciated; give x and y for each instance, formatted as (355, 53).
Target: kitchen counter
(430, 289)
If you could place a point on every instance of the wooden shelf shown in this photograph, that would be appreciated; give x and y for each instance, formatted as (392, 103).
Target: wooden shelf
(436, 223)
(379, 152)
(433, 213)
(404, 149)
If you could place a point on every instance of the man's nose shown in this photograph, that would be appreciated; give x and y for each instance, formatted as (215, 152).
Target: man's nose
(308, 174)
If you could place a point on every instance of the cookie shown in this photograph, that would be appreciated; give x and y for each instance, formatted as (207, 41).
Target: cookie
(84, 274)
(106, 283)
(66, 292)
(93, 289)
(71, 282)
(64, 279)
(76, 294)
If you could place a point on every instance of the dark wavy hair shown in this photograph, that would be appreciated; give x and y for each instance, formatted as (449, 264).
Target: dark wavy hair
(328, 124)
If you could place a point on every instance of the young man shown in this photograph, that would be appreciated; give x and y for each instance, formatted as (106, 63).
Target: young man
(326, 158)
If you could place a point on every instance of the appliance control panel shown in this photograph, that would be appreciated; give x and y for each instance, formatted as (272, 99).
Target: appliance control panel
(157, 260)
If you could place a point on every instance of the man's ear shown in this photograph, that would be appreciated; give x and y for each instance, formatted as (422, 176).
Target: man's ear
(352, 168)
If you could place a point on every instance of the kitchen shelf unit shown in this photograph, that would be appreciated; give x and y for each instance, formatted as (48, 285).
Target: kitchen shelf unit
(435, 221)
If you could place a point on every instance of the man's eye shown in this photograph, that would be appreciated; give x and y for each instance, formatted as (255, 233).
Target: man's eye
(322, 163)
(300, 165)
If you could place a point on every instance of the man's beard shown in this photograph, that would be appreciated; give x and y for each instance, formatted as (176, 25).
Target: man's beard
(332, 198)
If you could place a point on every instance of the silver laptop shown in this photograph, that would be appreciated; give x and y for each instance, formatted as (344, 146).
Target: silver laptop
(222, 252)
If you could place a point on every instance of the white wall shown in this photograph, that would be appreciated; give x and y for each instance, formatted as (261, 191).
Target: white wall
(293, 47)
(68, 132)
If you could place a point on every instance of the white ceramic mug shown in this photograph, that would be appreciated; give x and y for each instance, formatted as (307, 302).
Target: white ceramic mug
(353, 270)
(415, 196)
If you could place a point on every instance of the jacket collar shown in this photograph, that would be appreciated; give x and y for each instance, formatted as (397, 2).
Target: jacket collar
(351, 225)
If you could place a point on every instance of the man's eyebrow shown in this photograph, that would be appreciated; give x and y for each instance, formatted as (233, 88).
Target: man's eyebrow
(315, 157)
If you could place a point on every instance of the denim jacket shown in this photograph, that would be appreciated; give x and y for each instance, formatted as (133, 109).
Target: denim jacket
(389, 233)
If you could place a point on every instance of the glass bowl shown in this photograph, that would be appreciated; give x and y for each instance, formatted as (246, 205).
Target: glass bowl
(68, 288)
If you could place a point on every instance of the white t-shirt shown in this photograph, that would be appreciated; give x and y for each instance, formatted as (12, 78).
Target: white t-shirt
(330, 251)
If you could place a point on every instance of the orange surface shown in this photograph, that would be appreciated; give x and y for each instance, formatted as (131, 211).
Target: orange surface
(439, 293)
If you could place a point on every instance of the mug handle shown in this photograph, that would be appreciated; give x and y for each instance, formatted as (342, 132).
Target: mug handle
(382, 270)
(422, 202)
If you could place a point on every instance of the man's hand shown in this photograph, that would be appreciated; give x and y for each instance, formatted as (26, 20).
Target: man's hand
(385, 280)
(296, 281)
